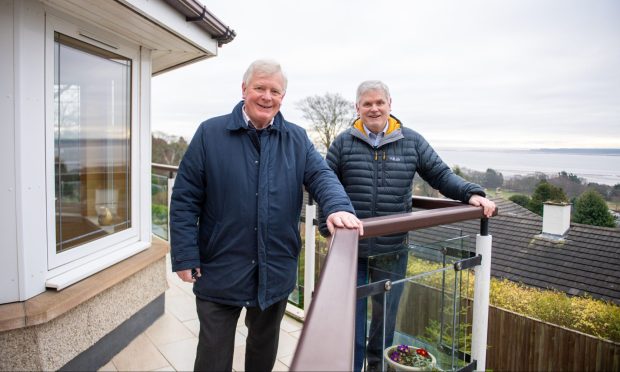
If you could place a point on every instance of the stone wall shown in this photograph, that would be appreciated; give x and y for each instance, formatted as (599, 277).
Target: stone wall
(49, 346)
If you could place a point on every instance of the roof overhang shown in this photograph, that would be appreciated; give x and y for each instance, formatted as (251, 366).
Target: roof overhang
(178, 32)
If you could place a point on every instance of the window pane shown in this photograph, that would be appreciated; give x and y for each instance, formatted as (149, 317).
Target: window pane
(92, 110)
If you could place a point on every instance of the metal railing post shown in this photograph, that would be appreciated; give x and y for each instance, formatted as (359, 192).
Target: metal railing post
(310, 250)
(171, 178)
(482, 277)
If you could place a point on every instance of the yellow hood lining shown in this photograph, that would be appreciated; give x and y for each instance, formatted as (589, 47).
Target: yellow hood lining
(393, 124)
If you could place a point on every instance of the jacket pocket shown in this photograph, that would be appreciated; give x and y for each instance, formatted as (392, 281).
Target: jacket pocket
(207, 249)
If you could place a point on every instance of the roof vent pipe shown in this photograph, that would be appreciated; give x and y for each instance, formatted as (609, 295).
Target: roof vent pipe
(556, 218)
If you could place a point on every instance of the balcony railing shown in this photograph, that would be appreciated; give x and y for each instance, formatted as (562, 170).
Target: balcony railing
(326, 342)
(435, 308)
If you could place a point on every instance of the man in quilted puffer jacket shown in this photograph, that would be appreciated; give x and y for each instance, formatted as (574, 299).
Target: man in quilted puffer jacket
(376, 160)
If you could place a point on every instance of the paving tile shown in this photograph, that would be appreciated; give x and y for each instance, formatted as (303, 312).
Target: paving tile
(239, 361)
(286, 345)
(193, 325)
(286, 360)
(239, 338)
(280, 366)
(290, 325)
(167, 329)
(296, 334)
(168, 369)
(241, 320)
(187, 288)
(243, 330)
(139, 355)
(173, 290)
(239, 358)
(181, 354)
(108, 367)
(182, 307)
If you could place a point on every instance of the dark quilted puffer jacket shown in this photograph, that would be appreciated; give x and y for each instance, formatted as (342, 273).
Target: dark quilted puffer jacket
(379, 179)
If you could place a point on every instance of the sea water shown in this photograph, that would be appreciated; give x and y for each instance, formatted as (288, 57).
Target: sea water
(595, 165)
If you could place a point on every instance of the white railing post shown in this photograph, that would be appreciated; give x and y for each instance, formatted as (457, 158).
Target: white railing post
(482, 284)
(309, 256)
(170, 186)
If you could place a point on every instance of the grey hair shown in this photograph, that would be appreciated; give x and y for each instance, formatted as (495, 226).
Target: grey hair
(372, 85)
(264, 66)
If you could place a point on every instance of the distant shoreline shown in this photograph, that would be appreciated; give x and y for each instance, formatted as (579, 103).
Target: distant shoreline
(597, 165)
(566, 150)
(581, 151)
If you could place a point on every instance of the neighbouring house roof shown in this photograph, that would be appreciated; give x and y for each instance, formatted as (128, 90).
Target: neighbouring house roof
(586, 260)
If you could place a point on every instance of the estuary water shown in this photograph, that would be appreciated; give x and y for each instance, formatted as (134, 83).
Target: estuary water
(594, 165)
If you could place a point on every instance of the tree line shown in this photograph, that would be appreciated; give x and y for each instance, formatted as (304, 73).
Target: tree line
(589, 199)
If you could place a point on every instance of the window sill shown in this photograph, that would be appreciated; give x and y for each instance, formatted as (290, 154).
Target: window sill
(88, 269)
(51, 303)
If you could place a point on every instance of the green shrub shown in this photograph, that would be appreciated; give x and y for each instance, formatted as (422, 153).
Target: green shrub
(159, 213)
(581, 313)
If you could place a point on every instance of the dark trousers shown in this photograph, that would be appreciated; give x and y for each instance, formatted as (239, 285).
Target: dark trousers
(216, 340)
(392, 267)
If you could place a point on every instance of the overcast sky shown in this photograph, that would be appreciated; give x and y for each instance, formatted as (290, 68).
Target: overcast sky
(513, 73)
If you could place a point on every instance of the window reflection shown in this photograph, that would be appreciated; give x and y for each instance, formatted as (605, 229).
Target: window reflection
(92, 110)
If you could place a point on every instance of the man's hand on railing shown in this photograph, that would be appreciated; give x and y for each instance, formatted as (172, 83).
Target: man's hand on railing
(345, 220)
(189, 275)
(486, 204)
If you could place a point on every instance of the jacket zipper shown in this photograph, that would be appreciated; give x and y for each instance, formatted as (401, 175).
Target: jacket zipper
(376, 178)
(383, 170)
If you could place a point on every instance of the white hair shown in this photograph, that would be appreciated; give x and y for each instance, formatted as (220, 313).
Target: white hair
(264, 66)
(369, 85)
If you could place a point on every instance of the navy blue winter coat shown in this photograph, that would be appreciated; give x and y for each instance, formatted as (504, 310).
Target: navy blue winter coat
(379, 179)
(235, 210)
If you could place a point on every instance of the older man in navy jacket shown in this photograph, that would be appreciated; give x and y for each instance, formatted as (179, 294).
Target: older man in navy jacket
(234, 218)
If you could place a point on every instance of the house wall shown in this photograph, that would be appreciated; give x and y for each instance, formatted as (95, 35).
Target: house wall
(8, 239)
(51, 345)
(88, 324)
(28, 250)
(29, 151)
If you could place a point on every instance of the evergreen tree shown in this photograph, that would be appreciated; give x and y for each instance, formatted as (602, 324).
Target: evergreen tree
(522, 200)
(545, 192)
(591, 209)
(458, 171)
(493, 179)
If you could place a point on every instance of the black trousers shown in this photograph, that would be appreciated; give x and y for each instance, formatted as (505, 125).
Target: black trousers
(216, 340)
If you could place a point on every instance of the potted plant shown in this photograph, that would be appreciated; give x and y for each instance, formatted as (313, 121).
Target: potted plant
(409, 358)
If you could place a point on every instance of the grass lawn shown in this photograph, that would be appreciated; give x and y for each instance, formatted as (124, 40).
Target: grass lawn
(505, 194)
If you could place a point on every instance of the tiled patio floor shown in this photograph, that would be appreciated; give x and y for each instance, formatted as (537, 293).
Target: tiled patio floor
(170, 343)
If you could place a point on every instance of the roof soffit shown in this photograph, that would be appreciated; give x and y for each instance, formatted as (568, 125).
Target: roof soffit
(152, 24)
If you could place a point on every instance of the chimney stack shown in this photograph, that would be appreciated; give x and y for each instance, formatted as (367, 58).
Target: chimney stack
(556, 218)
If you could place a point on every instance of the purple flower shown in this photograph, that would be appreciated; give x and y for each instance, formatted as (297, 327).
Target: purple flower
(411, 356)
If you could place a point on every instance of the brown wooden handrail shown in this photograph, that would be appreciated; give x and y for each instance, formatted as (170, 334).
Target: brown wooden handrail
(378, 226)
(425, 202)
(165, 167)
(326, 341)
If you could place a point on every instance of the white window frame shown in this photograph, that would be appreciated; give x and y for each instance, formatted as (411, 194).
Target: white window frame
(68, 267)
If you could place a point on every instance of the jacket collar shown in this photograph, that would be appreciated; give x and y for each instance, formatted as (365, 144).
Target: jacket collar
(237, 122)
(393, 124)
(393, 132)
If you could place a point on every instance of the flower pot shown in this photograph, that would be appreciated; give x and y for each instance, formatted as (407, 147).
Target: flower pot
(396, 366)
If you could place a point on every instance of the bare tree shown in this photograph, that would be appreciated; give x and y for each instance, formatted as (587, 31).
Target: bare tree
(329, 114)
